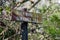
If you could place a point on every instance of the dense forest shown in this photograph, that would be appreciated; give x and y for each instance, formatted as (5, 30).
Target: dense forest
(44, 23)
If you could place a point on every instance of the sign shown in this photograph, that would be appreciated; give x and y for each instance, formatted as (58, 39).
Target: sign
(26, 16)
(31, 17)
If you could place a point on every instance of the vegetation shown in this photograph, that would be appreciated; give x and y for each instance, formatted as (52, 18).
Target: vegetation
(48, 17)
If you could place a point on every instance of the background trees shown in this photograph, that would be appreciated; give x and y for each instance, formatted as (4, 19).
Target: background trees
(48, 13)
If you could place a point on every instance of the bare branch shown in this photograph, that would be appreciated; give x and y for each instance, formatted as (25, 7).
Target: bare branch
(35, 4)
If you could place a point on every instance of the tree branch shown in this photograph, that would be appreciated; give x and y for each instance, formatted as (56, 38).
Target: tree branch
(35, 4)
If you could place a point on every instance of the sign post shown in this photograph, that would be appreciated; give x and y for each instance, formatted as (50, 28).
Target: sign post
(25, 18)
(24, 25)
(24, 29)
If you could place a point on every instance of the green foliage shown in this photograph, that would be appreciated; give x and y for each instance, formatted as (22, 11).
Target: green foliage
(0, 9)
(1, 29)
(51, 30)
(49, 26)
(9, 33)
(43, 9)
(56, 17)
(8, 9)
(52, 25)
